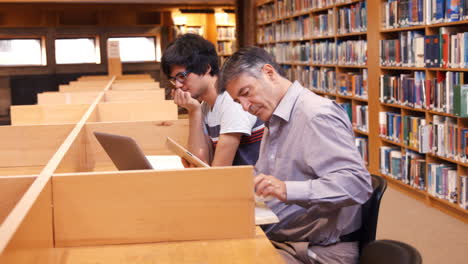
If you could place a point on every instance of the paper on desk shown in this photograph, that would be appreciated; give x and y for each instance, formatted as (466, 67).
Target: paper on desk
(264, 215)
(164, 162)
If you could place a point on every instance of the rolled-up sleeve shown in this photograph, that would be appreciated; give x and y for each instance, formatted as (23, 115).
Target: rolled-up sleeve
(340, 177)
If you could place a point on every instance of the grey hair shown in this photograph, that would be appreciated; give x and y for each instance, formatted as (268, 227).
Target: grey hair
(248, 60)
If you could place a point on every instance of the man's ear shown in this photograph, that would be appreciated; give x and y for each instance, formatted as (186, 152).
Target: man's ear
(208, 70)
(269, 71)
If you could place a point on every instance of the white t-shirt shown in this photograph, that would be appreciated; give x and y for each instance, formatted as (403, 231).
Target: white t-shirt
(228, 116)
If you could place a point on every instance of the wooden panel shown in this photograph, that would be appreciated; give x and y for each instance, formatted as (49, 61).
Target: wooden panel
(133, 77)
(69, 89)
(23, 170)
(121, 96)
(74, 159)
(135, 86)
(30, 145)
(66, 98)
(33, 240)
(137, 111)
(47, 114)
(11, 191)
(150, 136)
(255, 250)
(94, 78)
(187, 204)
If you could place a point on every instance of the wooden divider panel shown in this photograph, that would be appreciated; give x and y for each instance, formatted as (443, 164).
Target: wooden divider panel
(47, 114)
(151, 206)
(29, 146)
(11, 190)
(135, 86)
(33, 241)
(137, 111)
(66, 97)
(122, 96)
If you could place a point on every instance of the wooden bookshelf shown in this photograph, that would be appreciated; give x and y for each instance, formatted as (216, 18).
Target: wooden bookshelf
(375, 32)
(427, 114)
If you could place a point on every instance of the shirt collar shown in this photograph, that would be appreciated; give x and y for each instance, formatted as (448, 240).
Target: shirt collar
(286, 105)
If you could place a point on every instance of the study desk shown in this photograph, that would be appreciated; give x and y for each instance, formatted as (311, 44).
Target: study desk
(254, 250)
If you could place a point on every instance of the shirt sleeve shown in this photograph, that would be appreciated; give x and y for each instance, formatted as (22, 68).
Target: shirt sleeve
(234, 119)
(341, 177)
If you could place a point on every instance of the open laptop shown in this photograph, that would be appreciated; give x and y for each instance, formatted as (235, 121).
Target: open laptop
(127, 155)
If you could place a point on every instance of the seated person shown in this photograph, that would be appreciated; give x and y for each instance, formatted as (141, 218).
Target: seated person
(308, 162)
(217, 125)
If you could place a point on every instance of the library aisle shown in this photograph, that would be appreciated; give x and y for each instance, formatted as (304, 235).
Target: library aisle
(439, 237)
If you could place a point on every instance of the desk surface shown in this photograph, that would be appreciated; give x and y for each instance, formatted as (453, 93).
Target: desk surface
(255, 250)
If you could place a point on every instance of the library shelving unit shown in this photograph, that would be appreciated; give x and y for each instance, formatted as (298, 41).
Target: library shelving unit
(226, 40)
(295, 32)
(279, 32)
(428, 114)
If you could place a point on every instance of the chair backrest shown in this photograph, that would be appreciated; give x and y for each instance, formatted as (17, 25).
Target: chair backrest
(370, 212)
(390, 252)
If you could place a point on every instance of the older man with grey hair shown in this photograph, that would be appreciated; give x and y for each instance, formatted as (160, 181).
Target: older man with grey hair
(308, 162)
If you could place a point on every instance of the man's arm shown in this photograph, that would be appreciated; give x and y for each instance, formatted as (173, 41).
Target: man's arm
(198, 143)
(330, 152)
(226, 149)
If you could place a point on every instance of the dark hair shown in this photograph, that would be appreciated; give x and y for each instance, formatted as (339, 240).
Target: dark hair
(248, 60)
(192, 51)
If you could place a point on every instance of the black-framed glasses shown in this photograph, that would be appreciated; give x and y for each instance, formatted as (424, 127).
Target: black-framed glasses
(179, 77)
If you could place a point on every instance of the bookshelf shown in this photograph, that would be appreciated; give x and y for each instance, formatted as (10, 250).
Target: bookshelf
(296, 33)
(279, 31)
(225, 35)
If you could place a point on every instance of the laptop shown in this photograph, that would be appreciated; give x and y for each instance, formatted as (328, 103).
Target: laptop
(127, 155)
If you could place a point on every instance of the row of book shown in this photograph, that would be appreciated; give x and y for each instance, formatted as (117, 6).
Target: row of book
(319, 79)
(405, 13)
(300, 28)
(225, 47)
(325, 79)
(358, 115)
(353, 84)
(408, 167)
(445, 93)
(226, 33)
(414, 49)
(352, 19)
(442, 137)
(349, 52)
(292, 7)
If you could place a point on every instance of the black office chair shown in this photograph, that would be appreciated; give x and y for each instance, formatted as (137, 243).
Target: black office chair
(390, 252)
(370, 212)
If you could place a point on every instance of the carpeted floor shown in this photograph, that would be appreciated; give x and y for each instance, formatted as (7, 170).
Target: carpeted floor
(440, 238)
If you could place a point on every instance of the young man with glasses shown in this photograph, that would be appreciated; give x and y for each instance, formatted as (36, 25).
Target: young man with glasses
(221, 133)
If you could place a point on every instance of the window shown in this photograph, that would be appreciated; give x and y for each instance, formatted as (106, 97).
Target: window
(138, 49)
(77, 50)
(22, 52)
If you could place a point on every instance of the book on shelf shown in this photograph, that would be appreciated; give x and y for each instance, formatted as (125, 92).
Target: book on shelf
(362, 146)
(406, 13)
(442, 181)
(464, 192)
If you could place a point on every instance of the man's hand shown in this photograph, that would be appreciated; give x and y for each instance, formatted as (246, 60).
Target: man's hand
(186, 163)
(185, 100)
(267, 185)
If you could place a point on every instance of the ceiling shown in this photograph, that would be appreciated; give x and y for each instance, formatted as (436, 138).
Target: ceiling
(168, 2)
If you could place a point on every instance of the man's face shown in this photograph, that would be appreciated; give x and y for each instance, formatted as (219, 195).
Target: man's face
(193, 83)
(254, 94)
